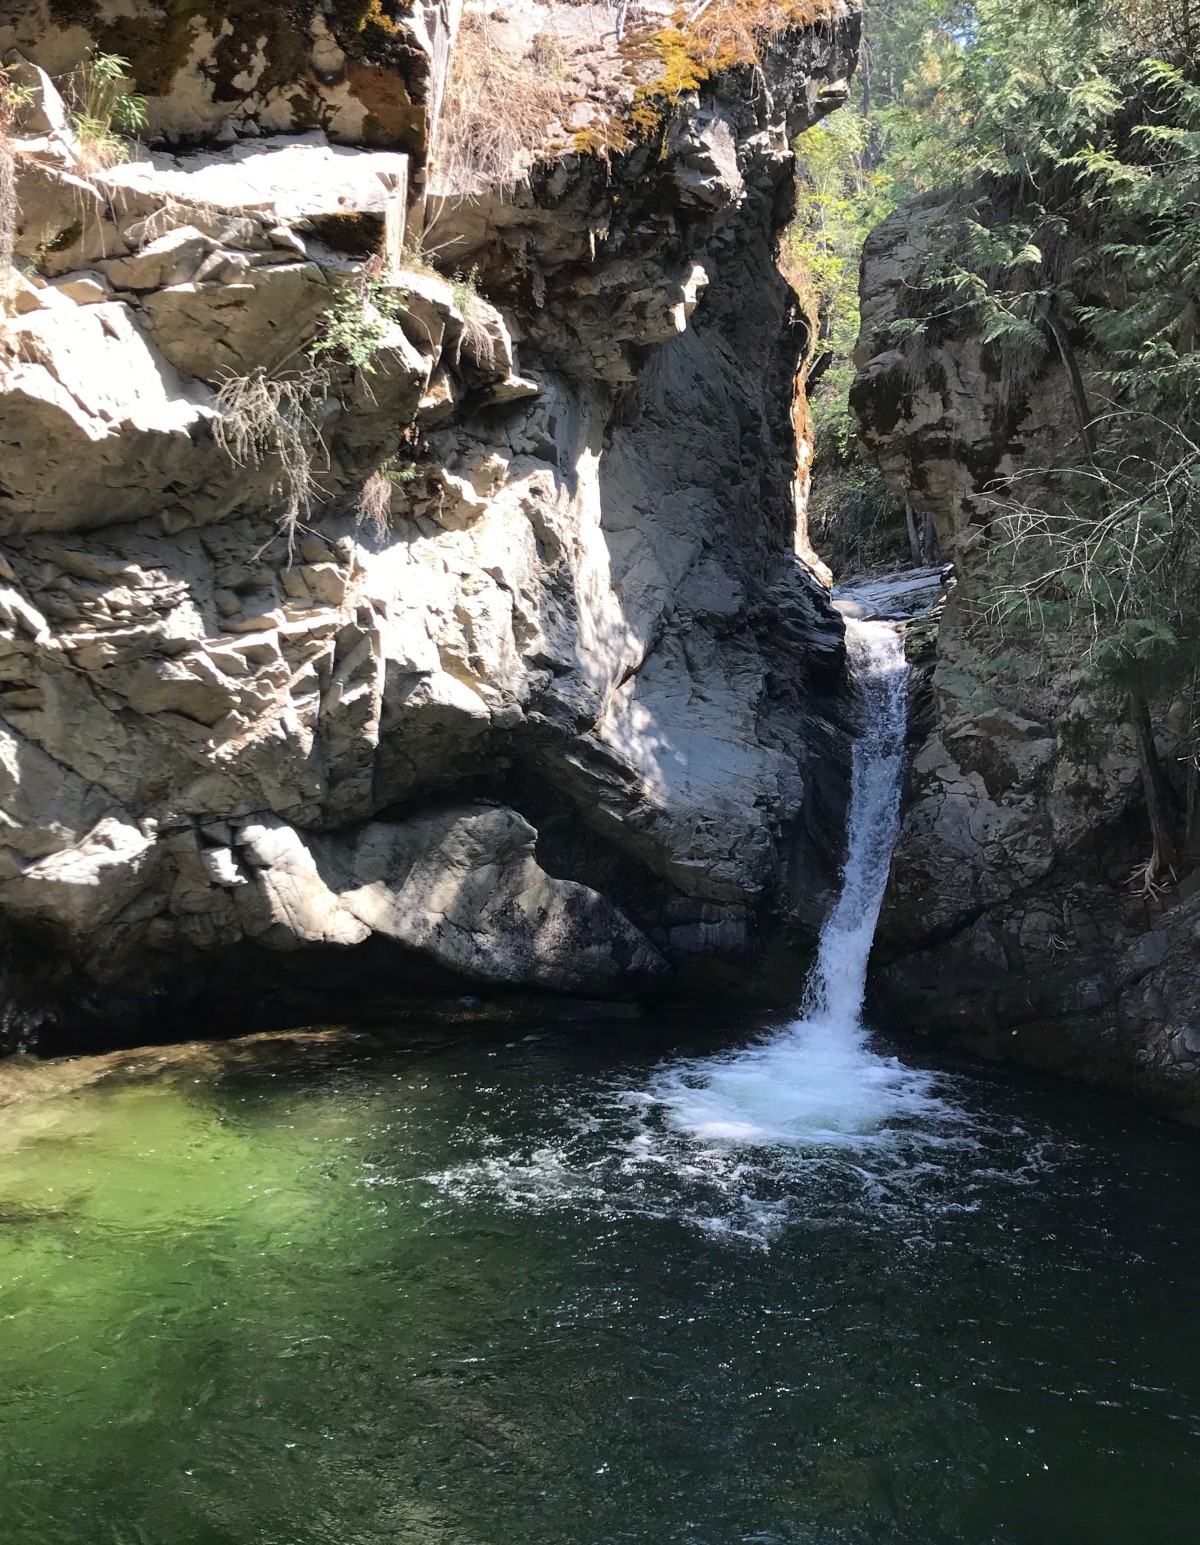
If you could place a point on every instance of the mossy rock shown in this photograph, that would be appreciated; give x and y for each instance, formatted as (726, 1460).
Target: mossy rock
(921, 636)
(966, 690)
(357, 235)
(263, 51)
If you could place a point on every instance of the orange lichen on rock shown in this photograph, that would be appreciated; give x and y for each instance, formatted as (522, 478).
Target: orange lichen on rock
(728, 33)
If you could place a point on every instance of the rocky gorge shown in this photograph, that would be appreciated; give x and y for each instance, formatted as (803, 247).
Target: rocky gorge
(1019, 921)
(597, 643)
(567, 713)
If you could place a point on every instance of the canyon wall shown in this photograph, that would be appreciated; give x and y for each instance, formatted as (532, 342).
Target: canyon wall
(474, 651)
(1017, 922)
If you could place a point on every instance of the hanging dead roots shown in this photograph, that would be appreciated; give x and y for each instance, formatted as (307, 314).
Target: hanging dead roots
(496, 113)
(8, 213)
(261, 420)
(1152, 879)
(475, 341)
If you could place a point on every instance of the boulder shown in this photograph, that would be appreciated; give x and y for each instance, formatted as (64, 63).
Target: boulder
(461, 886)
(96, 428)
(213, 331)
(286, 180)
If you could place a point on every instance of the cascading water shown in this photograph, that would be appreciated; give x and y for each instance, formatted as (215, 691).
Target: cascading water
(742, 1142)
(837, 984)
(818, 1082)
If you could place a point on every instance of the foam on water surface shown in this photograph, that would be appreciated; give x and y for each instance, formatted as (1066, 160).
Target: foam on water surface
(813, 1085)
(742, 1142)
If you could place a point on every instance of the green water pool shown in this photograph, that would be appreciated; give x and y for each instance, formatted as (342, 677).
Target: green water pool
(476, 1288)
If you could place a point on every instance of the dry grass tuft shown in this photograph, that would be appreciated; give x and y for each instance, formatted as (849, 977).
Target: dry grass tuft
(103, 111)
(12, 98)
(263, 419)
(374, 508)
(476, 341)
(496, 113)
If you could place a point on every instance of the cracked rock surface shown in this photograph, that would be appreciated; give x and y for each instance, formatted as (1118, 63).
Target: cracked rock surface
(565, 713)
(1011, 923)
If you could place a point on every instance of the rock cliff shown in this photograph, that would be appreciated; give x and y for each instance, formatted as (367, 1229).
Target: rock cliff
(1014, 922)
(357, 630)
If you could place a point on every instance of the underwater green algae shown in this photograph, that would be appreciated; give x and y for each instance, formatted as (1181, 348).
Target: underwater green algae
(471, 1291)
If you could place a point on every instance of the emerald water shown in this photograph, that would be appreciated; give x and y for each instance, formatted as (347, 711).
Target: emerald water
(492, 1287)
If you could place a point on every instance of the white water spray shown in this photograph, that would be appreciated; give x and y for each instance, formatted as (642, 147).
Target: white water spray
(818, 1083)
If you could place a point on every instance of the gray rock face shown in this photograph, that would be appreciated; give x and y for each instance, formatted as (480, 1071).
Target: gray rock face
(461, 885)
(1011, 923)
(564, 714)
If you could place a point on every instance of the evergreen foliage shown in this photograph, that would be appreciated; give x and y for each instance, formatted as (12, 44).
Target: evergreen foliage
(1054, 146)
(1072, 230)
(839, 197)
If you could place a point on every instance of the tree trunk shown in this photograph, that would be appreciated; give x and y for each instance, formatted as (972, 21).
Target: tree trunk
(930, 550)
(864, 64)
(1191, 824)
(914, 541)
(1165, 857)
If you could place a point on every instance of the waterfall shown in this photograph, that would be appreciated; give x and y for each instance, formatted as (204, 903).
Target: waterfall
(818, 1082)
(743, 1142)
(837, 983)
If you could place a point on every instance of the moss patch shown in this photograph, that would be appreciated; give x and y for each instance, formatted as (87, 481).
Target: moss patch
(263, 46)
(273, 35)
(65, 239)
(725, 35)
(356, 234)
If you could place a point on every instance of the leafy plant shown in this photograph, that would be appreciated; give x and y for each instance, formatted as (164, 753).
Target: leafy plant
(103, 111)
(1111, 555)
(464, 289)
(357, 323)
(476, 339)
(839, 197)
(854, 519)
(1055, 149)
